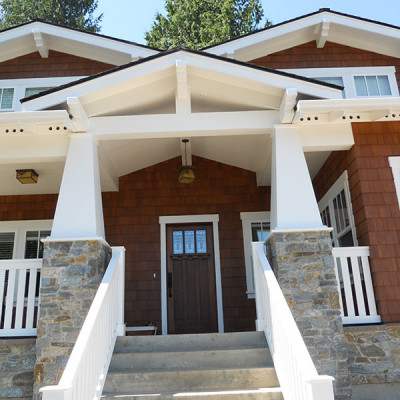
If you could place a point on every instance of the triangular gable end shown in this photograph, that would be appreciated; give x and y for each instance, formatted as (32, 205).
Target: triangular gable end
(321, 26)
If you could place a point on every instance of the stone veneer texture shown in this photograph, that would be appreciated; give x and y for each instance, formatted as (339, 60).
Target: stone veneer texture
(374, 353)
(17, 359)
(71, 274)
(304, 267)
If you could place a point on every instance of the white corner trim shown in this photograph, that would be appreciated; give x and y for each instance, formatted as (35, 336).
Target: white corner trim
(183, 219)
(394, 163)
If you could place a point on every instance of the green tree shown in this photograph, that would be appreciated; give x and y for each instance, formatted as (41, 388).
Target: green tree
(200, 23)
(73, 13)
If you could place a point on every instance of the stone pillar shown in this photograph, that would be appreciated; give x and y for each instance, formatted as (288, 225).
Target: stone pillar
(71, 274)
(303, 264)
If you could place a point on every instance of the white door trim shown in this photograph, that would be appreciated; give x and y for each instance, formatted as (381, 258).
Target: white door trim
(189, 219)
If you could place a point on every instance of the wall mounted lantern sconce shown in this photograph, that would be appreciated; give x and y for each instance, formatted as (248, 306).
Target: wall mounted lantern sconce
(186, 172)
(27, 176)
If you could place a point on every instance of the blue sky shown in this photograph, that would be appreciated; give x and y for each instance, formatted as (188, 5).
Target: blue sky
(129, 19)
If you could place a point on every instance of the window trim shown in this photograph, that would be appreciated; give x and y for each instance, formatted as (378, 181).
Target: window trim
(342, 183)
(20, 228)
(394, 163)
(20, 85)
(348, 74)
(247, 219)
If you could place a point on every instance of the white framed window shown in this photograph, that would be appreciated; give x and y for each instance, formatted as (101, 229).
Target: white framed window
(22, 239)
(357, 81)
(256, 228)
(13, 90)
(394, 163)
(337, 213)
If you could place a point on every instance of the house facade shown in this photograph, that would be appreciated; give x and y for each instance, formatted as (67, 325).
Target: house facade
(294, 135)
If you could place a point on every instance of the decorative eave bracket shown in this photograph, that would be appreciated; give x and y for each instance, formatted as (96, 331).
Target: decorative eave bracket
(40, 43)
(78, 114)
(323, 33)
(288, 104)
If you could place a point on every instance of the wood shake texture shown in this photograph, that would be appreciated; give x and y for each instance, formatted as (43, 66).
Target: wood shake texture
(375, 204)
(57, 65)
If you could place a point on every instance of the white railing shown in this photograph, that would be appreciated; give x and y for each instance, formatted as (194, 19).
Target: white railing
(19, 291)
(295, 369)
(356, 292)
(85, 372)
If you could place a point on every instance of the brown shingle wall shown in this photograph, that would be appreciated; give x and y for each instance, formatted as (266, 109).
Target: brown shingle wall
(57, 65)
(17, 208)
(132, 220)
(331, 56)
(375, 204)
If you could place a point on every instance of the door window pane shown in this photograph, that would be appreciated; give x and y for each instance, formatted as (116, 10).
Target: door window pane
(177, 239)
(189, 242)
(201, 241)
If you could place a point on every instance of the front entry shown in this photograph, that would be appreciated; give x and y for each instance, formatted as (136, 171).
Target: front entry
(192, 304)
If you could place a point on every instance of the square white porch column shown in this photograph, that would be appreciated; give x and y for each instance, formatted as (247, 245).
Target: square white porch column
(293, 202)
(79, 212)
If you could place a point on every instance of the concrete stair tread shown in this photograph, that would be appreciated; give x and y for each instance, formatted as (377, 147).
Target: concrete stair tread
(198, 360)
(191, 342)
(255, 394)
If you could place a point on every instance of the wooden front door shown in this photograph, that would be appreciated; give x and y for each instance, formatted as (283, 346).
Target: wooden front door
(192, 304)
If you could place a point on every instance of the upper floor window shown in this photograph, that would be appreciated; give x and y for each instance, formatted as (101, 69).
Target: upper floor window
(357, 82)
(13, 90)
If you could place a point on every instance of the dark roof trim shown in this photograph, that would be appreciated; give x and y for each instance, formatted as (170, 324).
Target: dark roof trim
(80, 31)
(175, 50)
(321, 10)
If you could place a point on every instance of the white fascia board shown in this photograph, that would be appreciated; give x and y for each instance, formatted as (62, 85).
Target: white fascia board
(193, 61)
(58, 35)
(307, 29)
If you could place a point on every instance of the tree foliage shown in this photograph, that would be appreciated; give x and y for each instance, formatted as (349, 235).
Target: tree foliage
(200, 23)
(74, 13)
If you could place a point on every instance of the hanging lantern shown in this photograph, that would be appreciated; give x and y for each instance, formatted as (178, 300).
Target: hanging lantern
(186, 172)
(27, 175)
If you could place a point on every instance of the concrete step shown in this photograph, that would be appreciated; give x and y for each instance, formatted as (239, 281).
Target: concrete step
(260, 394)
(191, 342)
(192, 360)
(169, 382)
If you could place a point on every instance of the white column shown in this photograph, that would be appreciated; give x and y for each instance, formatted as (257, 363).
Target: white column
(79, 212)
(293, 202)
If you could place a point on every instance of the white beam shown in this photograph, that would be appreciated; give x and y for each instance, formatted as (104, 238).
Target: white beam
(40, 43)
(79, 211)
(286, 112)
(182, 125)
(108, 170)
(78, 114)
(182, 95)
(293, 202)
(323, 33)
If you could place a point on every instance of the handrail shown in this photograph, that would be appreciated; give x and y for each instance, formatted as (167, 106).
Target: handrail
(356, 291)
(85, 372)
(19, 308)
(295, 369)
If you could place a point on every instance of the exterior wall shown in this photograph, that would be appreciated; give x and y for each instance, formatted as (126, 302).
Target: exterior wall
(332, 55)
(132, 220)
(375, 205)
(58, 64)
(36, 206)
(17, 359)
(374, 355)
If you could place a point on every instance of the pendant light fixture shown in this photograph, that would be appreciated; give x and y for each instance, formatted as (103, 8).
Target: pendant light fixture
(186, 172)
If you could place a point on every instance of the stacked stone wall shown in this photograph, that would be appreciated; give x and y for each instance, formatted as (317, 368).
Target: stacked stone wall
(17, 359)
(374, 354)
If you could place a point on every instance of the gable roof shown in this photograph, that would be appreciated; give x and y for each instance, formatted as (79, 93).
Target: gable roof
(320, 26)
(41, 36)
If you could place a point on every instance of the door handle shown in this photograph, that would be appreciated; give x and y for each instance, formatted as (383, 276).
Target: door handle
(169, 284)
